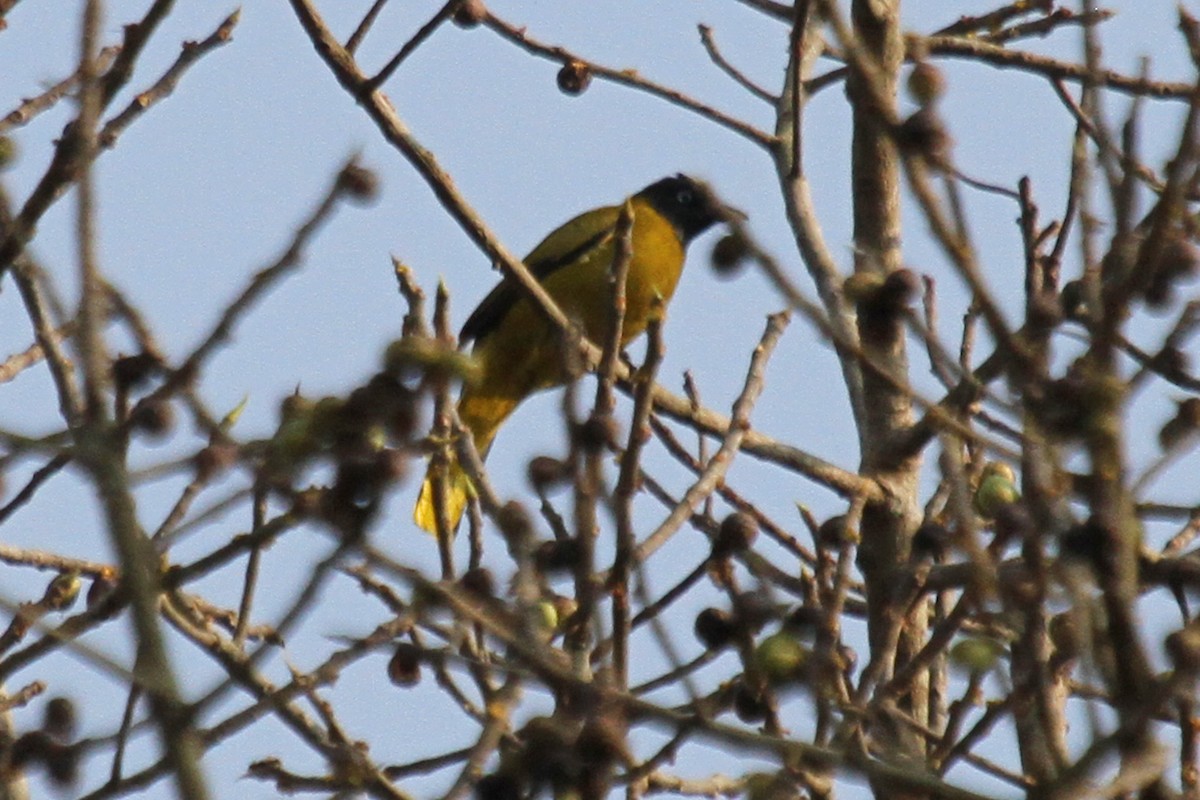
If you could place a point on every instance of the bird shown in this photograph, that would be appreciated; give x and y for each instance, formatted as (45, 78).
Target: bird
(518, 350)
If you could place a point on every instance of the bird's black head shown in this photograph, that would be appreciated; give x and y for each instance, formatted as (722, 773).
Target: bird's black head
(687, 203)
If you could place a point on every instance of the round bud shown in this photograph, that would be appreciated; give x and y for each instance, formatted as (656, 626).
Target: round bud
(546, 472)
(899, 289)
(1179, 258)
(479, 581)
(155, 417)
(514, 522)
(715, 628)
(557, 555)
(574, 78)
(597, 433)
(926, 84)
(1086, 541)
(804, 619)
(749, 705)
(736, 534)
(924, 134)
(59, 718)
(134, 372)
(358, 183)
(1185, 423)
(1172, 363)
(754, 609)
(404, 667)
(470, 13)
(730, 254)
(1012, 523)
(931, 540)
(1064, 635)
(833, 532)
(499, 786)
(1183, 648)
(1073, 300)
(215, 459)
(62, 764)
(100, 591)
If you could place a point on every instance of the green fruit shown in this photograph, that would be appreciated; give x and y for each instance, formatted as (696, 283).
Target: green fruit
(781, 657)
(994, 493)
(976, 655)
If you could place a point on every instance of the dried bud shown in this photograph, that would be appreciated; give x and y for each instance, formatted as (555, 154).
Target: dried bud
(749, 705)
(404, 667)
(1012, 524)
(1179, 258)
(754, 609)
(926, 84)
(931, 540)
(1184, 424)
(134, 372)
(59, 718)
(834, 532)
(479, 582)
(1073, 300)
(1064, 635)
(804, 619)
(1087, 542)
(502, 785)
(736, 534)
(558, 555)
(308, 502)
(899, 289)
(730, 254)
(100, 592)
(514, 522)
(215, 459)
(924, 134)
(155, 417)
(597, 433)
(546, 472)
(1172, 363)
(715, 628)
(470, 13)
(359, 183)
(1183, 647)
(62, 764)
(574, 78)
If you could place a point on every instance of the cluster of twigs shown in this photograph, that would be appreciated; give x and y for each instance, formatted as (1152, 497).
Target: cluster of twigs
(987, 599)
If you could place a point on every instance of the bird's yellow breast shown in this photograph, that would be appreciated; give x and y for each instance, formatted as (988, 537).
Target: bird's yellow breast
(522, 354)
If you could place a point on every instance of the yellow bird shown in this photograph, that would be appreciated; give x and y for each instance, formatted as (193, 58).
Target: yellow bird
(518, 350)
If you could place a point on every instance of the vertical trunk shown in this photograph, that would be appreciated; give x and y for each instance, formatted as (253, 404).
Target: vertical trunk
(887, 527)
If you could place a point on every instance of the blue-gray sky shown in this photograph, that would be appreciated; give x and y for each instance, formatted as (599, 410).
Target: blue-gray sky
(208, 187)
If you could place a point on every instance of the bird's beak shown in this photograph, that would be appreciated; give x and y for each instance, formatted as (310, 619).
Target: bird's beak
(728, 213)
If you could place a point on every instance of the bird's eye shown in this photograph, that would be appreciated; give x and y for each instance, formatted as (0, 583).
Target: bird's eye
(684, 197)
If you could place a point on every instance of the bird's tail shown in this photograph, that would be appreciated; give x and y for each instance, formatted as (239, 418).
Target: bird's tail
(482, 416)
(458, 491)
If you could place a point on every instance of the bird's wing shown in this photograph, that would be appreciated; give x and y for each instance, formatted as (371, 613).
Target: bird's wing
(567, 244)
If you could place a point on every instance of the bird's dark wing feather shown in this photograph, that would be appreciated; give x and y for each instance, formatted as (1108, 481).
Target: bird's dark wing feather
(566, 245)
